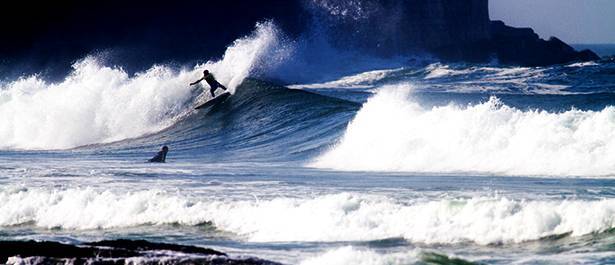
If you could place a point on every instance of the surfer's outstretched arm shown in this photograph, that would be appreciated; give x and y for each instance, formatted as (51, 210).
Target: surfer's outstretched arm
(196, 82)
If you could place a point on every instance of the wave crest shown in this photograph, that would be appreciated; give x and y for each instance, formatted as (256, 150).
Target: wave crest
(101, 104)
(392, 132)
(335, 217)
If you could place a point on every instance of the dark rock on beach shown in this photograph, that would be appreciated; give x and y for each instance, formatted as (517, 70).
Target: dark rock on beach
(115, 252)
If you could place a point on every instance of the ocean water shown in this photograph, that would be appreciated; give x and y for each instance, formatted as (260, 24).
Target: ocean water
(404, 164)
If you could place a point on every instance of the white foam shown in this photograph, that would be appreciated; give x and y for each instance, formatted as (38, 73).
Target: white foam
(550, 89)
(355, 255)
(264, 50)
(335, 217)
(362, 80)
(393, 133)
(492, 79)
(91, 209)
(350, 255)
(513, 71)
(97, 103)
(94, 104)
(347, 217)
(438, 70)
(583, 64)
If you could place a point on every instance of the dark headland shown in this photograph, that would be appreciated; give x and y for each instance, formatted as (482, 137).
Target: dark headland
(56, 33)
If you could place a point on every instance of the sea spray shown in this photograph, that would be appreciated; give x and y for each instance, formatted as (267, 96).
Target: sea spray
(98, 104)
(93, 104)
(262, 51)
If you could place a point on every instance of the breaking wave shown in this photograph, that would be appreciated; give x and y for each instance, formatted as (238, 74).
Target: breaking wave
(335, 217)
(100, 104)
(392, 132)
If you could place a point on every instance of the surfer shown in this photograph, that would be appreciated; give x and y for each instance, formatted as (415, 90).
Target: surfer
(161, 157)
(211, 80)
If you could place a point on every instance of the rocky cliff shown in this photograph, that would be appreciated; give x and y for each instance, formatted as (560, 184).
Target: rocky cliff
(458, 30)
(523, 46)
(397, 27)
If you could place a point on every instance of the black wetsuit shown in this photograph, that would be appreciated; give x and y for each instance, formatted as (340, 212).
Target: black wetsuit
(213, 84)
(161, 157)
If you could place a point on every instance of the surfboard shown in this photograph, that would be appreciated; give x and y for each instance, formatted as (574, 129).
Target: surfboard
(218, 99)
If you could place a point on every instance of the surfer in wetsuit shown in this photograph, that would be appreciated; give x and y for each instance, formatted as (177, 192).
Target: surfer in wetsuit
(161, 157)
(211, 80)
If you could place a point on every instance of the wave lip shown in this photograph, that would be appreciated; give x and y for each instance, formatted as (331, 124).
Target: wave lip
(392, 132)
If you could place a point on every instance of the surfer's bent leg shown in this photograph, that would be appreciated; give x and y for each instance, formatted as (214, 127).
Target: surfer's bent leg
(212, 90)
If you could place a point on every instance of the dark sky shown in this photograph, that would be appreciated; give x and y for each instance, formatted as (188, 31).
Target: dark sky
(105, 22)
(41, 34)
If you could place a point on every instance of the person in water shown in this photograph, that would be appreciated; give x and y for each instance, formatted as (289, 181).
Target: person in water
(161, 157)
(211, 80)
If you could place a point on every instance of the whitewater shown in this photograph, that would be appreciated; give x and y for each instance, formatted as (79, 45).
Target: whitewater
(380, 162)
(488, 137)
(100, 104)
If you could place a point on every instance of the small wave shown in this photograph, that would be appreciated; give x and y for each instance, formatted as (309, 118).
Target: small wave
(351, 255)
(583, 64)
(362, 80)
(464, 78)
(90, 209)
(438, 70)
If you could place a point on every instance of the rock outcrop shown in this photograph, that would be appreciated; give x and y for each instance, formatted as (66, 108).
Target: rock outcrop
(393, 27)
(115, 252)
(523, 46)
(457, 30)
